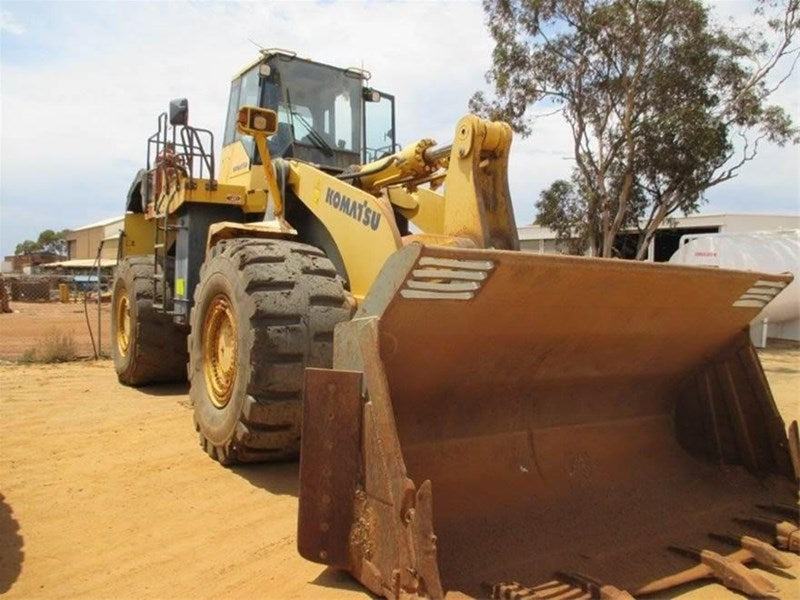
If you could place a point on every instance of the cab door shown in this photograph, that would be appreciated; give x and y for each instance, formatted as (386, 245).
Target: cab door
(379, 125)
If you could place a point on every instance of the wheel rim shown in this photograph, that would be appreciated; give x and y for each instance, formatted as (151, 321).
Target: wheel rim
(123, 322)
(219, 350)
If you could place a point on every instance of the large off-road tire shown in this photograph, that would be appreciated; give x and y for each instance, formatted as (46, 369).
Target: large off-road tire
(146, 345)
(264, 310)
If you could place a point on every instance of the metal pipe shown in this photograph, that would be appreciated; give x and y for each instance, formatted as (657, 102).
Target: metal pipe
(99, 301)
(431, 155)
(389, 160)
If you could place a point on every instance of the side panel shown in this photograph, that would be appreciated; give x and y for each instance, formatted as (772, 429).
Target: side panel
(190, 249)
(139, 235)
(236, 169)
(329, 464)
(202, 192)
(362, 226)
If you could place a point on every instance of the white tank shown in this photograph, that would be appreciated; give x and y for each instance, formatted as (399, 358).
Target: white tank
(769, 252)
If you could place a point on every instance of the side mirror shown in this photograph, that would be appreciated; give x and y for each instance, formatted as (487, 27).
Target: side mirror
(253, 120)
(179, 112)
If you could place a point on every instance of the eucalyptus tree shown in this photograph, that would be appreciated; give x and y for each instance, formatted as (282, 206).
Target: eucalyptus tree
(663, 104)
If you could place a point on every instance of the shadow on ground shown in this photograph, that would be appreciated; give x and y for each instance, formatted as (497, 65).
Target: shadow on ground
(166, 389)
(340, 580)
(11, 554)
(281, 478)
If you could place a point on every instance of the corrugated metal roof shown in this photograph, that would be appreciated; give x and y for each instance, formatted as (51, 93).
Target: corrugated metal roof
(536, 232)
(81, 263)
(103, 223)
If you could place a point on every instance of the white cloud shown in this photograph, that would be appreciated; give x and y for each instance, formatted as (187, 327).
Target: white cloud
(8, 24)
(75, 125)
(79, 101)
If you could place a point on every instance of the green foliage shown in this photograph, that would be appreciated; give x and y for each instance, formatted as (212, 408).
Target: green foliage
(48, 241)
(27, 247)
(654, 95)
(561, 208)
(53, 241)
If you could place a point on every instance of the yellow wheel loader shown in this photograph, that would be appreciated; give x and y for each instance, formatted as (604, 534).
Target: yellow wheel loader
(470, 418)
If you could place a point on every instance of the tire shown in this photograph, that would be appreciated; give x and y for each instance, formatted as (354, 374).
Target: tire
(147, 346)
(264, 310)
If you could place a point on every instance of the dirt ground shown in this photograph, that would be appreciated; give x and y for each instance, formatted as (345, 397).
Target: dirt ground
(31, 322)
(104, 493)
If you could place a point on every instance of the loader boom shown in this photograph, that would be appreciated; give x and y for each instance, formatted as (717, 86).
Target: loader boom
(474, 210)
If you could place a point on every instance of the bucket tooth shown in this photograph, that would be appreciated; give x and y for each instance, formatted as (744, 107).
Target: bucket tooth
(547, 584)
(573, 593)
(729, 571)
(736, 576)
(753, 549)
(557, 589)
(787, 535)
(595, 588)
(764, 553)
(552, 592)
(516, 591)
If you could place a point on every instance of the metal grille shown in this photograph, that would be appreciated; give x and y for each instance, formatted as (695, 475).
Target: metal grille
(446, 279)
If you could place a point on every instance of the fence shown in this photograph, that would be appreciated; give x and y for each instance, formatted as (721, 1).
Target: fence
(46, 288)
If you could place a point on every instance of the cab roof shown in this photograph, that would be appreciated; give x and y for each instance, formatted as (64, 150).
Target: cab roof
(269, 53)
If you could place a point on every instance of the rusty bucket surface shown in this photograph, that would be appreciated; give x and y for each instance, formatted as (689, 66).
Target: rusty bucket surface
(569, 414)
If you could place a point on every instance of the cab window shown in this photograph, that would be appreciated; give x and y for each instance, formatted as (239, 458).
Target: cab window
(379, 139)
(244, 92)
(233, 108)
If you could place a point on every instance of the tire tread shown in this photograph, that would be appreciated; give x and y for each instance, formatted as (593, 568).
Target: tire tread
(297, 297)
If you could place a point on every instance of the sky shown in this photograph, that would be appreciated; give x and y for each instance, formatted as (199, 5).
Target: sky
(81, 85)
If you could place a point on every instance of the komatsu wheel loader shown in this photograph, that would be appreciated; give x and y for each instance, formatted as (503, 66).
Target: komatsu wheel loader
(474, 419)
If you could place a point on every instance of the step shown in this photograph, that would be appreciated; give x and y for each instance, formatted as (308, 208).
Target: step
(160, 308)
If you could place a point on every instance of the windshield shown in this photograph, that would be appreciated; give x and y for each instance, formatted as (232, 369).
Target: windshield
(320, 104)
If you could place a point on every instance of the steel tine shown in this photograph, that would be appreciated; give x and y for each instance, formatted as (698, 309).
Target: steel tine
(516, 591)
(761, 523)
(686, 551)
(726, 538)
(781, 509)
(573, 579)
(552, 592)
(570, 594)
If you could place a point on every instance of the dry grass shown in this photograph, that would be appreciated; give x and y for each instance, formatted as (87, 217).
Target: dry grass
(55, 347)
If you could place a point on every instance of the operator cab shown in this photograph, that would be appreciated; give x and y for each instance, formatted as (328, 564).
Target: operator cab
(326, 115)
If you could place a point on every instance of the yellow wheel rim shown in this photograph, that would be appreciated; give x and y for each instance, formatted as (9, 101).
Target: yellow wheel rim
(219, 350)
(122, 316)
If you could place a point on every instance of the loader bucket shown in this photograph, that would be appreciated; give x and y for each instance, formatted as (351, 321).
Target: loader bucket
(497, 416)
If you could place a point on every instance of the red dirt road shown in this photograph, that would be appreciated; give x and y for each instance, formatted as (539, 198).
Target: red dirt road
(32, 322)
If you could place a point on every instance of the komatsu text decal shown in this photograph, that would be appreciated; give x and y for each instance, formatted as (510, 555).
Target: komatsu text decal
(353, 208)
